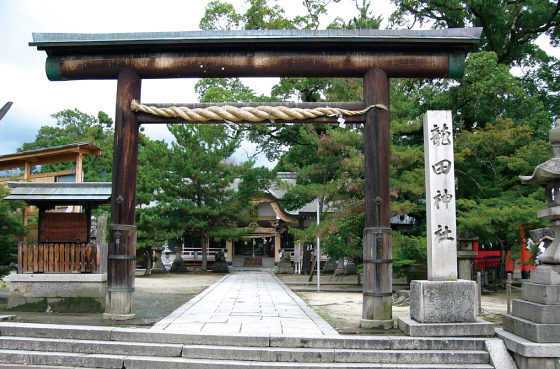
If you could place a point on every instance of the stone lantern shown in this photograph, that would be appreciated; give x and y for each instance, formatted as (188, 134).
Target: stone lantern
(532, 330)
(466, 254)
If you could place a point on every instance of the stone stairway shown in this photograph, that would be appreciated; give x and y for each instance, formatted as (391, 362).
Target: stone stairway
(107, 347)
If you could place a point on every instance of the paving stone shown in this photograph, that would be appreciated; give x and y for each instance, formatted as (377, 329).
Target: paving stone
(261, 329)
(247, 302)
(217, 329)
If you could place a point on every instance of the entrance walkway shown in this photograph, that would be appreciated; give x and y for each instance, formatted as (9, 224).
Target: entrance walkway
(247, 303)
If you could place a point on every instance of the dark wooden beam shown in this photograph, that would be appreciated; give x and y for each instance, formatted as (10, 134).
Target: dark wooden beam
(396, 64)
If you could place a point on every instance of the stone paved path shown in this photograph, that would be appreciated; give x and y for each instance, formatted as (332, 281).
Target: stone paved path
(247, 303)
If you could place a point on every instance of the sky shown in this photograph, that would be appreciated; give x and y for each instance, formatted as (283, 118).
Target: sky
(22, 73)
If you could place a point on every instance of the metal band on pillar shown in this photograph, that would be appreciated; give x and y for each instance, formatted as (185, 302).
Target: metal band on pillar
(378, 265)
(120, 262)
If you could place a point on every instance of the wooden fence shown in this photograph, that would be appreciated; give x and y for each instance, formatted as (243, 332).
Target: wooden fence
(58, 258)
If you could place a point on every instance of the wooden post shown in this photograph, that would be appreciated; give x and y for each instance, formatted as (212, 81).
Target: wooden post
(508, 289)
(479, 291)
(79, 170)
(122, 232)
(378, 268)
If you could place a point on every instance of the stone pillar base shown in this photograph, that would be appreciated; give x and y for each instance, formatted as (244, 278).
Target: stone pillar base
(528, 354)
(444, 309)
(376, 324)
(478, 328)
(118, 316)
(285, 267)
(220, 267)
(443, 301)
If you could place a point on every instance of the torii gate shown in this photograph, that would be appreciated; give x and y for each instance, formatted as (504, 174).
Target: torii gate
(374, 55)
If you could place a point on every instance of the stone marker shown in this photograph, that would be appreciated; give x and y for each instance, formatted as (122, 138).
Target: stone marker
(442, 299)
(440, 196)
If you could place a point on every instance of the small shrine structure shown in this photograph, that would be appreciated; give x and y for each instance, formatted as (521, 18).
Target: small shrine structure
(50, 155)
(62, 268)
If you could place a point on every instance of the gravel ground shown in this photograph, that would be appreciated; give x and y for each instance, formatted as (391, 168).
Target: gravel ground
(158, 295)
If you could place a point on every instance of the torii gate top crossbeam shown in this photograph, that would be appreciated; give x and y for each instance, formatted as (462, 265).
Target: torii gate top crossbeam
(277, 53)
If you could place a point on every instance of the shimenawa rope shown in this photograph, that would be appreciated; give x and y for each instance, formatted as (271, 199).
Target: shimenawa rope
(246, 114)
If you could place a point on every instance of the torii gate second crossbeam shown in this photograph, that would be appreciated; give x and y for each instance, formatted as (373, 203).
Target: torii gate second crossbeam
(374, 55)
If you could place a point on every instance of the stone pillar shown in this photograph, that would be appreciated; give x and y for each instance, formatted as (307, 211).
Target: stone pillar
(442, 305)
(157, 256)
(466, 254)
(532, 330)
(179, 265)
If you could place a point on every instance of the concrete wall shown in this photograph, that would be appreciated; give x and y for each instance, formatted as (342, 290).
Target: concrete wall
(58, 292)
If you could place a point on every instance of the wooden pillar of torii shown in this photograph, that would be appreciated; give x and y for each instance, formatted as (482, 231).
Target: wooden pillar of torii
(373, 55)
(121, 256)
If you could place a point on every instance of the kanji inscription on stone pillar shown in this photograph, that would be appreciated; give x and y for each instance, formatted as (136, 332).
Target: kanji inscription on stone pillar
(440, 196)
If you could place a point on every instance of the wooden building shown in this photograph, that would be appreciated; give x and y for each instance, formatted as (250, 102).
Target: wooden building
(260, 247)
(51, 155)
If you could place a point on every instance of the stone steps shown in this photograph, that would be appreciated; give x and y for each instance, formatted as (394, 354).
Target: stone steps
(76, 360)
(237, 353)
(109, 347)
(251, 269)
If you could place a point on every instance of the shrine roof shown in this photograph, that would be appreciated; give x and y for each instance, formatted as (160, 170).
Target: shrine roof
(458, 37)
(49, 155)
(60, 193)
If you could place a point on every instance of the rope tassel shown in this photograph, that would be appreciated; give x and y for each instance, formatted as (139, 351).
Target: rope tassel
(246, 114)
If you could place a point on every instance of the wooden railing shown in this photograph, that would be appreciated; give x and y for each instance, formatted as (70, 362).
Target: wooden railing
(58, 258)
(188, 253)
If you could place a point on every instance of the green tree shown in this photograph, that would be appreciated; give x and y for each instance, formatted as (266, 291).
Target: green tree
(195, 190)
(11, 227)
(492, 201)
(328, 159)
(153, 163)
(73, 126)
(509, 30)
(488, 95)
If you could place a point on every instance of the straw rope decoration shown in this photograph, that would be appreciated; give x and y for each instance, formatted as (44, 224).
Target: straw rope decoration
(246, 114)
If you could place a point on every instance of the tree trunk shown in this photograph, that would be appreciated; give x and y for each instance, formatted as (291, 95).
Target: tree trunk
(306, 264)
(204, 251)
